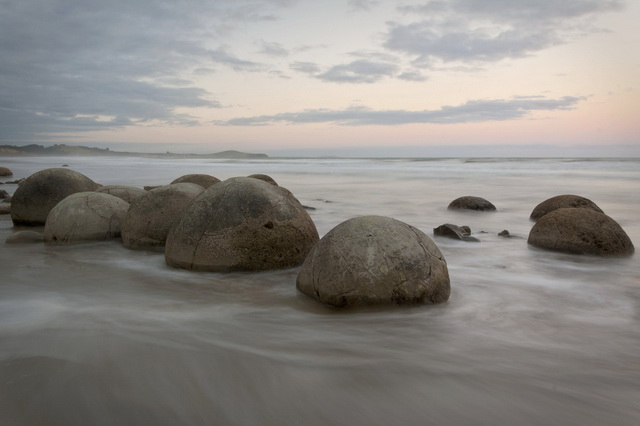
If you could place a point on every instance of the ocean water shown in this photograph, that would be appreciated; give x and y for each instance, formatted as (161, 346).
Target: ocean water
(95, 334)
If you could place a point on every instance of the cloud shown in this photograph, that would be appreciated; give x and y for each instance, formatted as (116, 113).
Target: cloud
(224, 57)
(273, 49)
(474, 111)
(65, 62)
(489, 30)
(305, 67)
(359, 71)
(362, 5)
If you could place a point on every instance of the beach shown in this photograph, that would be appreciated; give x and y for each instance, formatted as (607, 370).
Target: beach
(98, 334)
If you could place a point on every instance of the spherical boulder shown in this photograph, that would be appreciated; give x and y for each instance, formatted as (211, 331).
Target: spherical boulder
(580, 231)
(471, 203)
(561, 202)
(85, 216)
(203, 180)
(5, 171)
(127, 193)
(375, 260)
(241, 224)
(40, 192)
(265, 178)
(150, 216)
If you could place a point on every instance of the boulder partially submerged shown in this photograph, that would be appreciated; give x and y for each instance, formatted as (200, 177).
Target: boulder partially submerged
(42, 191)
(127, 193)
(563, 202)
(455, 232)
(471, 203)
(375, 260)
(241, 224)
(580, 231)
(5, 171)
(150, 216)
(85, 216)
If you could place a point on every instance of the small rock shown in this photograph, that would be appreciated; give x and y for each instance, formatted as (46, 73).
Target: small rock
(4, 171)
(455, 232)
(471, 203)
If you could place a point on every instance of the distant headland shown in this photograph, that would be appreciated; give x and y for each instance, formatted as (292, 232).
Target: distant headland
(84, 151)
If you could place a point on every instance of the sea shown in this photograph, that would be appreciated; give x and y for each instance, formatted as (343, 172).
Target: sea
(96, 334)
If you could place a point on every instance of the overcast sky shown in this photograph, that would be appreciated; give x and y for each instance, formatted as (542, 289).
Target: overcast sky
(306, 74)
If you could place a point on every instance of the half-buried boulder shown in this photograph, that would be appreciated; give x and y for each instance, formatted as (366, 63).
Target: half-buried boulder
(40, 192)
(150, 216)
(85, 216)
(471, 203)
(203, 180)
(580, 231)
(265, 178)
(563, 202)
(127, 193)
(375, 260)
(5, 171)
(241, 224)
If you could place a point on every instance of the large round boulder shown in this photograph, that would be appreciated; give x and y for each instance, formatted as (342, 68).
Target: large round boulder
(241, 224)
(469, 202)
(40, 192)
(563, 202)
(85, 216)
(203, 180)
(150, 216)
(375, 260)
(264, 177)
(580, 231)
(127, 193)
(5, 171)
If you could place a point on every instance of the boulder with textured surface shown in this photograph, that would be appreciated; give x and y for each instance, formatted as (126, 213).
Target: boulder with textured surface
(21, 237)
(563, 202)
(455, 232)
(241, 224)
(85, 216)
(203, 180)
(580, 231)
(127, 193)
(264, 177)
(150, 216)
(375, 260)
(5, 171)
(40, 192)
(471, 203)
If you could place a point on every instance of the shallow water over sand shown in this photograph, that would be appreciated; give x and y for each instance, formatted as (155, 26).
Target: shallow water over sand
(98, 334)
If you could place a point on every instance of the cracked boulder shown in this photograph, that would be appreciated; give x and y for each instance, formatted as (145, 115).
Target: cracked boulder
(471, 203)
(85, 216)
(563, 202)
(203, 180)
(241, 224)
(375, 260)
(127, 193)
(150, 216)
(580, 231)
(42, 191)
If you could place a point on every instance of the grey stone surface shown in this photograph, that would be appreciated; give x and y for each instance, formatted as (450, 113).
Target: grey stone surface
(562, 202)
(455, 232)
(203, 180)
(85, 216)
(264, 177)
(127, 193)
(5, 171)
(40, 192)
(375, 260)
(20, 237)
(580, 231)
(241, 224)
(150, 216)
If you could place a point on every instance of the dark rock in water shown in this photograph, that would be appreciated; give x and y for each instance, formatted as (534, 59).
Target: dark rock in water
(455, 232)
(150, 216)
(40, 192)
(85, 216)
(504, 233)
(150, 187)
(65, 165)
(4, 194)
(561, 202)
(241, 224)
(265, 178)
(5, 208)
(4, 171)
(127, 193)
(471, 203)
(375, 260)
(16, 182)
(203, 180)
(580, 231)
(20, 237)
(308, 207)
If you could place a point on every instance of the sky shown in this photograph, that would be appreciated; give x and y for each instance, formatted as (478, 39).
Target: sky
(295, 76)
